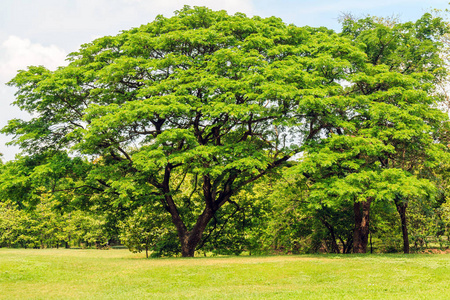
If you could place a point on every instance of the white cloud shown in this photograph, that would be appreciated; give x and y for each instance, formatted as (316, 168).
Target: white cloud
(69, 23)
(18, 53)
(15, 54)
(109, 16)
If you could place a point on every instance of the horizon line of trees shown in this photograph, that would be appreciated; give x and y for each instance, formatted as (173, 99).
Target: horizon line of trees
(271, 220)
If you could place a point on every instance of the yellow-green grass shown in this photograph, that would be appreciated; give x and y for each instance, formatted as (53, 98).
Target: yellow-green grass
(119, 274)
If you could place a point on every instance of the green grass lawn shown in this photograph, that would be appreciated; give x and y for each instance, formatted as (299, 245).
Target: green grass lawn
(119, 274)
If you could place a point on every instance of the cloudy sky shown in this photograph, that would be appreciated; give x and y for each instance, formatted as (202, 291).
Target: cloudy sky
(43, 32)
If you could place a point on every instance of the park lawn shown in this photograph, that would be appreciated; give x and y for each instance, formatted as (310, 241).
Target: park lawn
(119, 274)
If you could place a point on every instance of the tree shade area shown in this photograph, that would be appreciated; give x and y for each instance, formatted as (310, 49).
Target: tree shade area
(228, 134)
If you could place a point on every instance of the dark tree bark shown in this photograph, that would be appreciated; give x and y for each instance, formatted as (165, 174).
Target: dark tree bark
(347, 247)
(190, 239)
(401, 208)
(361, 232)
(214, 199)
(334, 246)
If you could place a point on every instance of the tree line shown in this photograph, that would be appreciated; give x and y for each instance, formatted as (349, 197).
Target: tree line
(216, 132)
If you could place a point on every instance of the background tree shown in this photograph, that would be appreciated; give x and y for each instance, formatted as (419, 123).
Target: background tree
(389, 132)
(413, 49)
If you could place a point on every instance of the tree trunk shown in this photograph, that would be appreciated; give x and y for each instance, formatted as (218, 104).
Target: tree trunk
(401, 208)
(334, 245)
(189, 240)
(347, 247)
(188, 249)
(361, 232)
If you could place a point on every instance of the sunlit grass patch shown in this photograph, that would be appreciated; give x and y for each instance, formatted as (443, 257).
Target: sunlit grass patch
(119, 274)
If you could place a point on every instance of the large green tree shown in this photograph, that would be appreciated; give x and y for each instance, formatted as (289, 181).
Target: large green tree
(204, 96)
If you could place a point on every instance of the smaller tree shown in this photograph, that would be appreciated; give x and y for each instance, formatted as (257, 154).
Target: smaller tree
(11, 224)
(144, 229)
(399, 97)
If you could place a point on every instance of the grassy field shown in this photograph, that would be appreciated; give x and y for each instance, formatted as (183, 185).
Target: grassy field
(119, 274)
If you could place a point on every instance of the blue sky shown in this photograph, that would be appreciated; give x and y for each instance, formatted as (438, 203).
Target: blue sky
(43, 32)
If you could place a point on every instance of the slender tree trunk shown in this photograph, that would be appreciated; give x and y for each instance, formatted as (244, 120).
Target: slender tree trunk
(334, 245)
(401, 208)
(349, 245)
(361, 232)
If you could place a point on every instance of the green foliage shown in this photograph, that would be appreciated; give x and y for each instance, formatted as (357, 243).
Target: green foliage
(147, 229)
(241, 227)
(43, 227)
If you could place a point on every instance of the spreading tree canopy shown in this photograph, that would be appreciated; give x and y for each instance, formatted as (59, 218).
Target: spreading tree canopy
(218, 101)
(203, 96)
